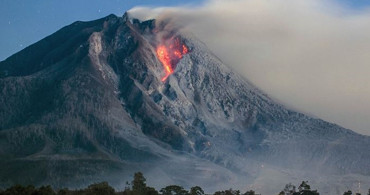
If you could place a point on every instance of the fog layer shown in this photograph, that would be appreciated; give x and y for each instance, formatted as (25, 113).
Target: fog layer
(311, 55)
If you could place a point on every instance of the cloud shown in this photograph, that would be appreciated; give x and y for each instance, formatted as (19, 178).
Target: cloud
(311, 55)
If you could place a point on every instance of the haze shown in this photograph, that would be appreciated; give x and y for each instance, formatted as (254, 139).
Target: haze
(311, 55)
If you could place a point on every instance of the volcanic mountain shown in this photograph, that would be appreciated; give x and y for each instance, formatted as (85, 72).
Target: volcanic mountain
(103, 99)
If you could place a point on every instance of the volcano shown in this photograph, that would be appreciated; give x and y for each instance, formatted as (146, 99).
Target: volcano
(100, 100)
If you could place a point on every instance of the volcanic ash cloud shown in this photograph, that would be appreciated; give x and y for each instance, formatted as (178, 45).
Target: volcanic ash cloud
(311, 55)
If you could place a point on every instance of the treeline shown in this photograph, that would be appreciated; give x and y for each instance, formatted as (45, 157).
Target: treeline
(138, 187)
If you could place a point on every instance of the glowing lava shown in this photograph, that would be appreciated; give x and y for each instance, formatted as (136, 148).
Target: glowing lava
(170, 55)
(165, 59)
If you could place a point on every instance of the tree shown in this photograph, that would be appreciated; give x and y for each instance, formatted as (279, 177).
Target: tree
(304, 186)
(289, 189)
(174, 190)
(282, 193)
(228, 192)
(150, 191)
(305, 189)
(349, 192)
(196, 191)
(138, 184)
(19, 189)
(250, 192)
(45, 190)
(219, 193)
(64, 191)
(100, 188)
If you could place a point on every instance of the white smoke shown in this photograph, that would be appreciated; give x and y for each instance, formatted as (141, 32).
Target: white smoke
(311, 55)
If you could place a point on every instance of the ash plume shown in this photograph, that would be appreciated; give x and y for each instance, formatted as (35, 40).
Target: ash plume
(311, 55)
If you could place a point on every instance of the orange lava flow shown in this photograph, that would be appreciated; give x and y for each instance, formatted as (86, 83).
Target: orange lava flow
(170, 56)
(184, 49)
(165, 59)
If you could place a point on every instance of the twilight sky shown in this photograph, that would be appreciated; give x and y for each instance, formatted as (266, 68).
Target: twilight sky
(311, 57)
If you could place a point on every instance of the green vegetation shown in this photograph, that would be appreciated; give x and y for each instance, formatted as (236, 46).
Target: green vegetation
(139, 187)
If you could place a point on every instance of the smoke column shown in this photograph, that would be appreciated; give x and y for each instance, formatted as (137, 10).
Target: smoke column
(311, 55)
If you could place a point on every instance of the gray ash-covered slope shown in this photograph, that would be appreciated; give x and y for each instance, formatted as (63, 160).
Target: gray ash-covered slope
(87, 104)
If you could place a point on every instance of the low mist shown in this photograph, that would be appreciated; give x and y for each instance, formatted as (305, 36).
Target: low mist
(311, 55)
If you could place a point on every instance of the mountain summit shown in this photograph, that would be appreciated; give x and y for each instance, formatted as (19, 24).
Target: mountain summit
(100, 100)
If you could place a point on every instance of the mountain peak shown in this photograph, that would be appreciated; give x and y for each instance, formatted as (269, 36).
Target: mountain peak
(125, 17)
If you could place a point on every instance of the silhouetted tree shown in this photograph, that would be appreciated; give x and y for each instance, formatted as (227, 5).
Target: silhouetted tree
(150, 191)
(196, 190)
(174, 190)
(64, 191)
(228, 192)
(250, 192)
(45, 190)
(304, 186)
(127, 187)
(127, 190)
(138, 184)
(349, 192)
(282, 193)
(305, 189)
(100, 188)
(19, 189)
(289, 189)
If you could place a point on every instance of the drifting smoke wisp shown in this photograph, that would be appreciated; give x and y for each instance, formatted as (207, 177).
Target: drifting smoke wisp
(312, 55)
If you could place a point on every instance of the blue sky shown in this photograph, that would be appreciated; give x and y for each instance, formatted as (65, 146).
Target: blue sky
(24, 22)
(354, 3)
